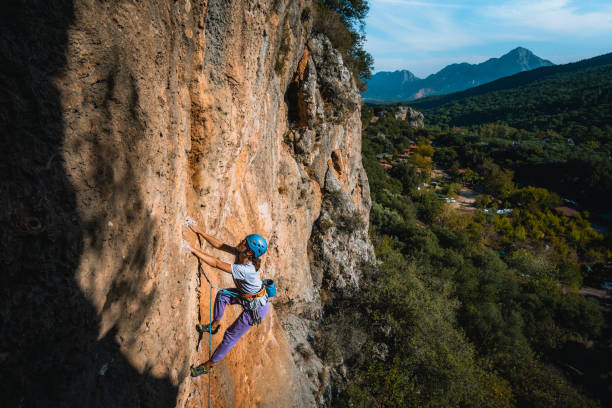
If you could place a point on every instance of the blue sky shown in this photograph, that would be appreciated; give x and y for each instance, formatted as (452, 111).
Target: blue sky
(426, 35)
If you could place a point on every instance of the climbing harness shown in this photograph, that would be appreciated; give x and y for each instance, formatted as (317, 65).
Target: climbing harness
(256, 295)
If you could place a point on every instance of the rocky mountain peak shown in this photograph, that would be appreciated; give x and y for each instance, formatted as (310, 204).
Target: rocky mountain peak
(525, 59)
(408, 76)
(519, 51)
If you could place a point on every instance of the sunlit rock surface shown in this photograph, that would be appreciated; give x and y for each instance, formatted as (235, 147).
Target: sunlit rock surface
(231, 113)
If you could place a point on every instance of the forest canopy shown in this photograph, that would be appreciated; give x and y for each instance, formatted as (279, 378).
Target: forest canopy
(552, 127)
(478, 309)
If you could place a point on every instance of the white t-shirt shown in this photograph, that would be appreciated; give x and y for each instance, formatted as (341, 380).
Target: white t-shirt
(247, 280)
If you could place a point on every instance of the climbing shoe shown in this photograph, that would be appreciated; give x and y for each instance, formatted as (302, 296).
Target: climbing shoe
(198, 371)
(206, 328)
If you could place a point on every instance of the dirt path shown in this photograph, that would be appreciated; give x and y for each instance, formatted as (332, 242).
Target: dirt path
(465, 200)
(599, 293)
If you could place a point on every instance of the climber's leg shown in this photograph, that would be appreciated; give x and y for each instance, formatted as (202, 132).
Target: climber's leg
(236, 331)
(223, 299)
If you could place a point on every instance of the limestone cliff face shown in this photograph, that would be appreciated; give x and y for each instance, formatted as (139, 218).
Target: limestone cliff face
(230, 112)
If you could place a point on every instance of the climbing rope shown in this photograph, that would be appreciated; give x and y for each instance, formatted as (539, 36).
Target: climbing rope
(209, 325)
(229, 292)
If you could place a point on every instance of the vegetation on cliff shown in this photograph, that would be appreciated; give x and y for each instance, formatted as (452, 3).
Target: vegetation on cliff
(342, 21)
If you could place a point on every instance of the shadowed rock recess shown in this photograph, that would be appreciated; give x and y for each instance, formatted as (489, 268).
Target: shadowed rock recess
(120, 118)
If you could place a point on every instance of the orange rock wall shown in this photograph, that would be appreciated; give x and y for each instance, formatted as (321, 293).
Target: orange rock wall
(183, 108)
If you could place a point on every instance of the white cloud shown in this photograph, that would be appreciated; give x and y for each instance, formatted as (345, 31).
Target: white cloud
(557, 16)
(427, 30)
(416, 34)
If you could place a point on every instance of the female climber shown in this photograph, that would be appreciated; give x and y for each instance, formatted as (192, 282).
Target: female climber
(250, 291)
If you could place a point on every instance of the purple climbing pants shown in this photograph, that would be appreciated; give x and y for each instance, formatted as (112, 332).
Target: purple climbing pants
(240, 326)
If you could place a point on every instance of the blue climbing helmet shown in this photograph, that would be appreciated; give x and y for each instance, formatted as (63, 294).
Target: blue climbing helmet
(257, 244)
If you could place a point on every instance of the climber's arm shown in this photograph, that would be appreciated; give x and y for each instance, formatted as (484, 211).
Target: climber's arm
(212, 240)
(212, 261)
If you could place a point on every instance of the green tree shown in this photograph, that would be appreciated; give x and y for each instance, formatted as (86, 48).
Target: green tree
(422, 162)
(497, 181)
(531, 265)
(534, 198)
(569, 274)
(453, 189)
(429, 362)
(408, 176)
(428, 206)
(445, 156)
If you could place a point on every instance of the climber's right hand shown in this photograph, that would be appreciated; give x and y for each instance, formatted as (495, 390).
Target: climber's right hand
(190, 222)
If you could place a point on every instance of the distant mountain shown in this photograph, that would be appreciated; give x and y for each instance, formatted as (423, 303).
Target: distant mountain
(533, 82)
(403, 85)
(574, 100)
(391, 85)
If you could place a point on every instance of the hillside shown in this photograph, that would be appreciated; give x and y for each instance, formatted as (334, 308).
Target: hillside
(551, 126)
(479, 300)
(403, 85)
